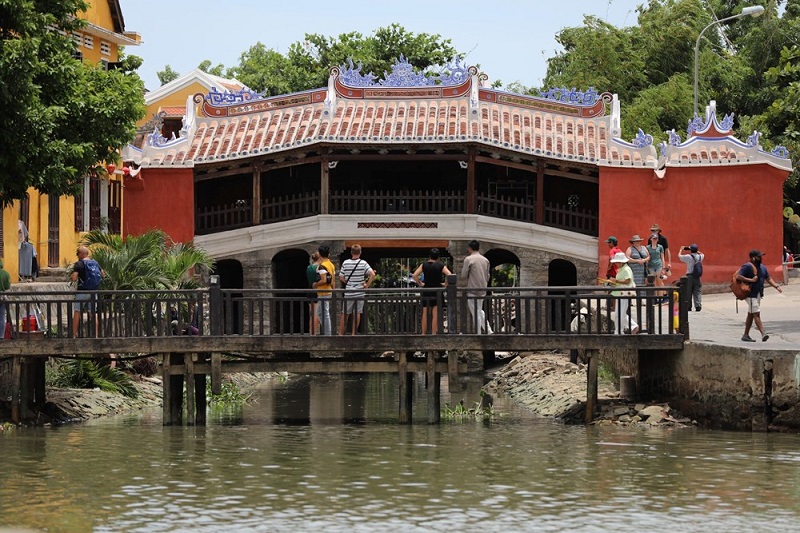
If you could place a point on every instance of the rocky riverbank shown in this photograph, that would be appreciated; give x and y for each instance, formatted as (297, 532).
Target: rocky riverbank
(549, 385)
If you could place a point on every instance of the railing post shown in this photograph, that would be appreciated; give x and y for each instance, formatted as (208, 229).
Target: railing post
(683, 306)
(452, 305)
(215, 306)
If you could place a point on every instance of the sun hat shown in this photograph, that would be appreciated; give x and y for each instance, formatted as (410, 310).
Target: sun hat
(635, 238)
(612, 240)
(620, 257)
(655, 227)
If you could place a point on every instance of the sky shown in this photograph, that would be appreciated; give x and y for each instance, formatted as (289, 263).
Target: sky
(509, 39)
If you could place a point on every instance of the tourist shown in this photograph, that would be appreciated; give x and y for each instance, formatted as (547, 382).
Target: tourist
(313, 276)
(434, 276)
(86, 274)
(476, 273)
(324, 287)
(655, 228)
(655, 267)
(624, 282)
(5, 284)
(613, 250)
(755, 274)
(638, 259)
(357, 275)
(693, 273)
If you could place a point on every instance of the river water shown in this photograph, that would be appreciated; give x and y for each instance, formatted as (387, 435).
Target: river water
(326, 454)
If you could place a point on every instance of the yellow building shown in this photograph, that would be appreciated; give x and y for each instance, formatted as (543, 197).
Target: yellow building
(54, 225)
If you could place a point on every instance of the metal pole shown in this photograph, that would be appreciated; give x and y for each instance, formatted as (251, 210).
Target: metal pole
(752, 11)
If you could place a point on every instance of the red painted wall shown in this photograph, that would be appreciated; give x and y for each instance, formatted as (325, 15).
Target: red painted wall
(726, 211)
(166, 202)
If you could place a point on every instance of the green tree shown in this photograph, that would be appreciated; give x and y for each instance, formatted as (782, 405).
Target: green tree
(307, 64)
(206, 67)
(167, 75)
(147, 261)
(58, 115)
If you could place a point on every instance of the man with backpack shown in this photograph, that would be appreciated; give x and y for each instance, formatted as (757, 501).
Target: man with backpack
(755, 274)
(694, 271)
(87, 274)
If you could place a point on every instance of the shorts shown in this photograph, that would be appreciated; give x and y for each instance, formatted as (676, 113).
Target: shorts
(753, 305)
(430, 298)
(353, 303)
(84, 301)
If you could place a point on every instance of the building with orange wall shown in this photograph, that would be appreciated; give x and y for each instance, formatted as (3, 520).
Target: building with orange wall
(55, 225)
(544, 180)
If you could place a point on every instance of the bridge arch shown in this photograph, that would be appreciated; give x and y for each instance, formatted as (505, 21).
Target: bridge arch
(289, 272)
(504, 266)
(560, 273)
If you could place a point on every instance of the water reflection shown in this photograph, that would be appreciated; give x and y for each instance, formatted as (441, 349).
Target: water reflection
(325, 453)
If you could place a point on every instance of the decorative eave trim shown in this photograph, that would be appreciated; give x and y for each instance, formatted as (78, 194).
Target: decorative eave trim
(108, 35)
(195, 76)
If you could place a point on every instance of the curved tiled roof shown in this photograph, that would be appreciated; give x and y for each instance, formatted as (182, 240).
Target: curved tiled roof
(562, 125)
(230, 126)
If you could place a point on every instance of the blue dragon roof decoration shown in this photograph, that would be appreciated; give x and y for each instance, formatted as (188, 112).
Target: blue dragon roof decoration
(404, 75)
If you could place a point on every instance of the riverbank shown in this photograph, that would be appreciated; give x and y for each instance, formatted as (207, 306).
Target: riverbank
(550, 385)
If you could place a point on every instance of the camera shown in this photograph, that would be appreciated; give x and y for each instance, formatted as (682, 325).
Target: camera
(687, 248)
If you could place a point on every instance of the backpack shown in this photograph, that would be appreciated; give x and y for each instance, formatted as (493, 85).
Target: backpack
(697, 271)
(92, 275)
(740, 289)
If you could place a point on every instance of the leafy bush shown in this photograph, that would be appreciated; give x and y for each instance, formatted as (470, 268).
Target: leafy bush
(84, 374)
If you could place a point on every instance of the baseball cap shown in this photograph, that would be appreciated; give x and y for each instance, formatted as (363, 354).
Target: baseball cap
(612, 240)
(693, 248)
(756, 253)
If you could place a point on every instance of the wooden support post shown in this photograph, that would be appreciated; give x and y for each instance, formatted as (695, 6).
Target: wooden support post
(684, 302)
(324, 185)
(591, 385)
(256, 195)
(39, 379)
(540, 191)
(16, 389)
(166, 398)
(453, 381)
(201, 401)
(471, 187)
(188, 374)
(216, 373)
(434, 389)
(405, 388)
(176, 392)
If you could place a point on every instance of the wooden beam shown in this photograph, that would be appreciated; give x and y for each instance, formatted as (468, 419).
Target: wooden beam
(325, 365)
(267, 345)
(399, 243)
(205, 173)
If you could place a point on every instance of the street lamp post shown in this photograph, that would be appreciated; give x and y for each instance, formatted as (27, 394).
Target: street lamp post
(751, 11)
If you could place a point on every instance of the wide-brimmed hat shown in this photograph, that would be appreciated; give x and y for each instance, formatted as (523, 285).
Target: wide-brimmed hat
(636, 238)
(655, 227)
(620, 257)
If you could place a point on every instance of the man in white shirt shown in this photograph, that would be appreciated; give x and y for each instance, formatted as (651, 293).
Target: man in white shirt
(357, 275)
(476, 273)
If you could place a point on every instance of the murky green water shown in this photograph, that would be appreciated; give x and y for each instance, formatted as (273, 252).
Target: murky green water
(326, 454)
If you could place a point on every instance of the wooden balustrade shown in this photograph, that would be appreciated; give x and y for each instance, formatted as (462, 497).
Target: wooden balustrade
(224, 217)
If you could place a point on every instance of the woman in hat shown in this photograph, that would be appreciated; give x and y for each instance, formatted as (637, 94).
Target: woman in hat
(624, 282)
(638, 256)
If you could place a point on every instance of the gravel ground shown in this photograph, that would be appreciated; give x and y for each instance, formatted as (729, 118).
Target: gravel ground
(549, 385)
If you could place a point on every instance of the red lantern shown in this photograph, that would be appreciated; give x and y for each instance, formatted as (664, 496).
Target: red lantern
(111, 168)
(126, 171)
